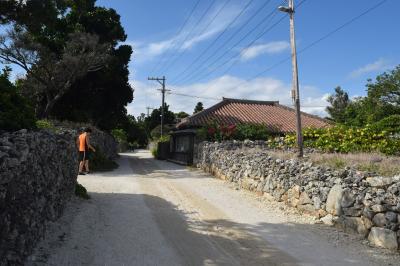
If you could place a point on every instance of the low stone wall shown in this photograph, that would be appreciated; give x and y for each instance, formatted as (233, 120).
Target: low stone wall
(38, 172)
(357, 202)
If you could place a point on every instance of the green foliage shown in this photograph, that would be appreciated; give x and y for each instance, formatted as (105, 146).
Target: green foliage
(15, 111)
(156, 132)
(181, 115)
(120, 135)
(45, 124)
(382, 100)
(251, 132)
(345, 139)
(216, 132)
(198, 108)
(99, 162)
(154, 119)
(339, 102)
(81, 192)
(390, 124)
(154, 152)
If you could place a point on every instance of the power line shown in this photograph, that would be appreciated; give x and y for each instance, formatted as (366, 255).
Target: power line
(194, 96)
(204, 51)
(324, 37)
(240, 52)
(190, 32)
(202, 32)
(202, 66)
(178, 33)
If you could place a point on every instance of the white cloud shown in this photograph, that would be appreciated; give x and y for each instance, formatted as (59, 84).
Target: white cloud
(379, 65)
(202, 32)
(226, 86)
(267, 48)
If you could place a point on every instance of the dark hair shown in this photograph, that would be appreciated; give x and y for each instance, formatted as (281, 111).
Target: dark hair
(88, 130)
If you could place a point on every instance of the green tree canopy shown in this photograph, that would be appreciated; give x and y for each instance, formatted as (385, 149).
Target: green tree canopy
(338, 104)
(199, 107)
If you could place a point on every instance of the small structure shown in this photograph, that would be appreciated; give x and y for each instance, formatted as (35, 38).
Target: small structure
(278, 117)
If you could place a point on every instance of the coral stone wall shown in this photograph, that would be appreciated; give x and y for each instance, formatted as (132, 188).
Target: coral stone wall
(361, 203)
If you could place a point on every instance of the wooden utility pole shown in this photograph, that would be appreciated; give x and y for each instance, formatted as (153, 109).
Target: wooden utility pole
(163, 90)
(295, 77)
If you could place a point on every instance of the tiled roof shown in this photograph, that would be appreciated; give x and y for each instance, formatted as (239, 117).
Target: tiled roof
(235, 111)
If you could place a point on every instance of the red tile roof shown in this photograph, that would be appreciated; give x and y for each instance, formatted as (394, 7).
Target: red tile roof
(270, 113)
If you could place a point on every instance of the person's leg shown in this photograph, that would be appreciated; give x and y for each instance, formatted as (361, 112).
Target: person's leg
(81, 162)
(87, 166)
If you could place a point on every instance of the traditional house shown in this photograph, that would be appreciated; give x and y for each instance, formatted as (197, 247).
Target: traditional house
(232, 112)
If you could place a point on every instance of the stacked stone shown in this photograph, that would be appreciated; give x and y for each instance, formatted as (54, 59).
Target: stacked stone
(358, 202)
(38, 172)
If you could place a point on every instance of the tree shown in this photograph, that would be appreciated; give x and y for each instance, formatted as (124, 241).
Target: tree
(49, 76)
(199, 107)
(15, 111)
(98, 97)
(181, 115)
(339, 102)
(155, 118)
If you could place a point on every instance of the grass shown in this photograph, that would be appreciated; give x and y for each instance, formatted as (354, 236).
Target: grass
(81, 192)
(366, 162)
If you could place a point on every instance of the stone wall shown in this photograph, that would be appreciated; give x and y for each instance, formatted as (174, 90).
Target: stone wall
(38, 173)
(357, 202)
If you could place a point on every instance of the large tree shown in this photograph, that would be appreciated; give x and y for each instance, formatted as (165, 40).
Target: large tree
(98, 96)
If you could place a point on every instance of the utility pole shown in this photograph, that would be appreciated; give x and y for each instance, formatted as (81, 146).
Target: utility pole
(148, 110)
(295, 77)
(163, 90)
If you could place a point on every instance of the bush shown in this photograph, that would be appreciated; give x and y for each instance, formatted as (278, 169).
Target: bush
(156, 132)
(81, 192)
(46, 124)
(120, 135)
(99, 162)
(15, 111)
(251, 132)
(390, 124)
(348, 139)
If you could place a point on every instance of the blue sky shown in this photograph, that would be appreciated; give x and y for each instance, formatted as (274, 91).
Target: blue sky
(348, 58)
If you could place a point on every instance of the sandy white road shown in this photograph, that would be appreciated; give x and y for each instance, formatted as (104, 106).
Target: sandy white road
(150, 212)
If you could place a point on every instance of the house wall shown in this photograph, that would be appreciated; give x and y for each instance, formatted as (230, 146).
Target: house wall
(356, 202)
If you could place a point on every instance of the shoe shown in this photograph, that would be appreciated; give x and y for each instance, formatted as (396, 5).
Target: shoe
(81, 173)
(87, 172)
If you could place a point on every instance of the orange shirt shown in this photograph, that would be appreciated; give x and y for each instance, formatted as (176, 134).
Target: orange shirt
(82, 142)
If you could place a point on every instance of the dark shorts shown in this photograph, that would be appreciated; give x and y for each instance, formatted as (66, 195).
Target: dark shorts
(84, 155)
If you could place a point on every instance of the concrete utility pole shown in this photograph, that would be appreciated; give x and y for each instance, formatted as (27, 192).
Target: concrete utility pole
(295, 89)
(163, 90)
(148, 110)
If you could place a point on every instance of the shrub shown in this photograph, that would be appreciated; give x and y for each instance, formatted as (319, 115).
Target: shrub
(15, 111)
(99, 162)
(120, 135)
(46, 124)
(156, 132)
(251, 132)
(390, 124)
(81, 192)
(348, 139)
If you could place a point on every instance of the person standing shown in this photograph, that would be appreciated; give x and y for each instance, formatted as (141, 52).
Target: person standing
(83, 143)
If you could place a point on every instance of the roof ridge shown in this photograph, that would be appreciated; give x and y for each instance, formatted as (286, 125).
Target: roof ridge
(304, 113)
(250, 101)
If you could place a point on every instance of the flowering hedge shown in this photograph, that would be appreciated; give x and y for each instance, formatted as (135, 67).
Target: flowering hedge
(219, 132)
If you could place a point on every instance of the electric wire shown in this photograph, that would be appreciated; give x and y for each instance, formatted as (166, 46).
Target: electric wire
(204, 51)
(196, 25)
(324, 37)
(178, 33)
(202, 66)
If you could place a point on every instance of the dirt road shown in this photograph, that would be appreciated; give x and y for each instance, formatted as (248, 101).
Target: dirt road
(150, 212)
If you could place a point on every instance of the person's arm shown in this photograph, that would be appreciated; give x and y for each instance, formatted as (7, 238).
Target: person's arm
(77, 143)
(88, 143)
